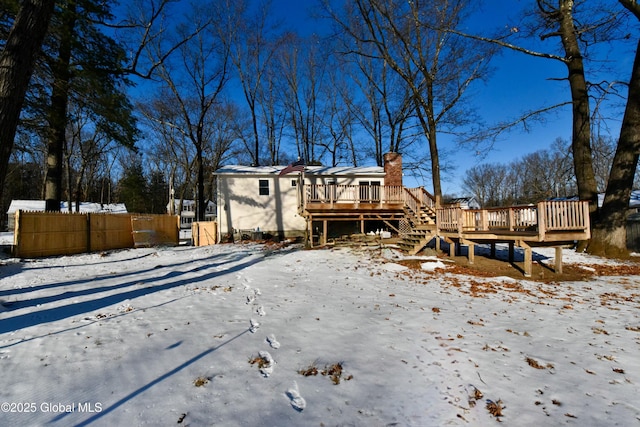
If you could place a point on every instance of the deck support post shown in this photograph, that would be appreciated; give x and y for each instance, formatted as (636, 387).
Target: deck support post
(559, 259)
(528, 258)
(493, 250)
(452, 247)
(511, 252)
(310, 231)
(324, 232)
(471, 253)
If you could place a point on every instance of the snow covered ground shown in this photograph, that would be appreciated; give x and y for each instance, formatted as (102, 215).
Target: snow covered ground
(252, 335)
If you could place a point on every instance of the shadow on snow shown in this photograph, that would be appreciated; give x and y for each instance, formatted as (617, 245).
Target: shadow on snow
(73, 309)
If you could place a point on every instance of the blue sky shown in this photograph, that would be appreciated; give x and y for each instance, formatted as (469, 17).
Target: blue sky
(519, 83)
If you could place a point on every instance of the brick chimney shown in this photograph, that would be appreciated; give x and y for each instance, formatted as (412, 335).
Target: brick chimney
(393, 169)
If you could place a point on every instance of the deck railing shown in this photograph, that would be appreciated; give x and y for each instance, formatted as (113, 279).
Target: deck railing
(548, 216)
(333, 193)
(541, 218)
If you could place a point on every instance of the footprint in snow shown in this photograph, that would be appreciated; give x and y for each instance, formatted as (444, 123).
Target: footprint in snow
(252, 298)
(261, 311)
(268, 363)
(297, 402)
(254, 326)
(271, 339)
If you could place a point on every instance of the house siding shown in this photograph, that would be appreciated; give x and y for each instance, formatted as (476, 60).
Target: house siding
(241, 207)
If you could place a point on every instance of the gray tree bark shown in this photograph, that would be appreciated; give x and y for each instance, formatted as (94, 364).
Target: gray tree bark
(16, 66)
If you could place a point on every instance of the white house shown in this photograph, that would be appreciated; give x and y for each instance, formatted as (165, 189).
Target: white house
(252, 199)
(39, 206)
(188, 212)
(465, 202)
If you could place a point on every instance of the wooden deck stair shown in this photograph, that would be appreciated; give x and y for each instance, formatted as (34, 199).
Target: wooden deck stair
(415, 240)
(421, 215)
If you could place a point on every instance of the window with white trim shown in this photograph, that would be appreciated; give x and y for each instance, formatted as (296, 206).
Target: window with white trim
(263, 187)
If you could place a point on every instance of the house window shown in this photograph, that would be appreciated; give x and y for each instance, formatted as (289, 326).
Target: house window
(294, 182)
(263, 187)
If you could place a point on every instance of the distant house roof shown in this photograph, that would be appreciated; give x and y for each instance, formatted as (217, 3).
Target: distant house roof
(468, 202)
(39, 205)
(310, 170)
(634, 201)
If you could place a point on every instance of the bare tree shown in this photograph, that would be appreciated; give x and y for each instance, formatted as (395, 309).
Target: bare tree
(338, 119)
(87, 153)
(603, 149)
(194, 80)
(485, 183)
(273, 113)
(254, 45)
(577, 26)
(169, 149)
(414, 40)
(561, 16)
(537, 176)
(387, 106)
(609, 231)
(303, 67)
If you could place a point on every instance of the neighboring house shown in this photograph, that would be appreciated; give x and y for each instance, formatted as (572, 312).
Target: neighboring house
(465, 202)
(262, 199)
(39, 205)
(634, 202)
(188, 213)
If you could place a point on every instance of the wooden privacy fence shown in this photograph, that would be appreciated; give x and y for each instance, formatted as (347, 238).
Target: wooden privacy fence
(204, 233)
(40, 234)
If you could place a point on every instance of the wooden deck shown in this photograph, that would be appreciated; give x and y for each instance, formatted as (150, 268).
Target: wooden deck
(549, 223)
(330, 202)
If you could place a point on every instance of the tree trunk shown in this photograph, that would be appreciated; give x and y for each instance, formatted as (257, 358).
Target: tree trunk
(581, 138)
(609, 237)
(58, 111)
(429, 128)
(16, 66)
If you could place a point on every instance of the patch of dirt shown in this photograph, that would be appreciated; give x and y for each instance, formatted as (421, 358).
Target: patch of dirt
(334, 372)
(488, 267)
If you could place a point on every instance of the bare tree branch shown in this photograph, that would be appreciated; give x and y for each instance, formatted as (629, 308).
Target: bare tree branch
(510, 46)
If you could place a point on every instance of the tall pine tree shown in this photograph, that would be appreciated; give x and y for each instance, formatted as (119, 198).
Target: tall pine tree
(84, 66)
